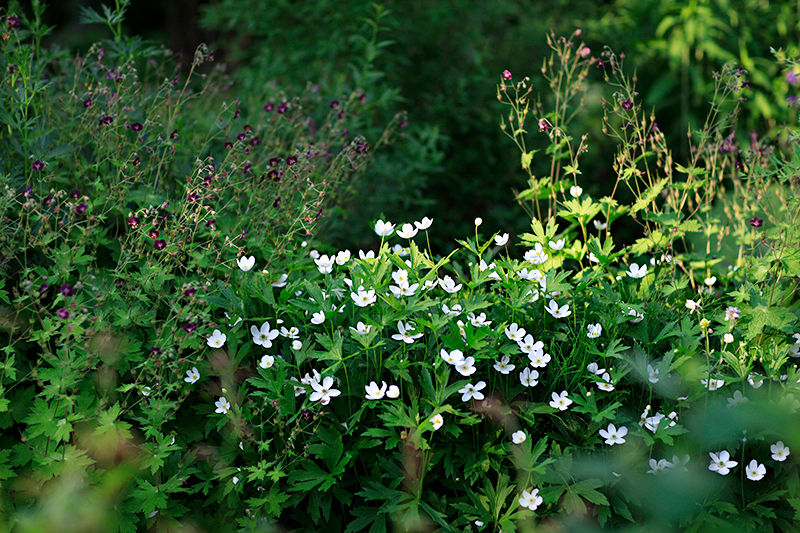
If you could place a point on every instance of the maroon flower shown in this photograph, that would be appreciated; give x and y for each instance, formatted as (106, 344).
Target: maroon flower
(133, 222)
(282, 108)
(193, 197)
(739, 165)
(756, 222)
(601, 63)
(277, 203)
(87, 102)
(136, 161)
(247, 128)
(38, 165)
(13, 22)
(67, 290)
(63, 313)
(274, 175)
(153, 234)
(291, 160)
(506, 75)
(155, 350)
(269, 107)
(81, 209)
(160, 244)
(274, 162)
(106, 120)
(74, 194)
(136, 126)
(228, 145)
(47, 200)
(255, 141)
(627, 105)
(43, 287)
(189, 328)
(174, 134)
(335, 104)
(210, 223)
(237, 113)
(242, 137)
(190, 292)
(247, 168)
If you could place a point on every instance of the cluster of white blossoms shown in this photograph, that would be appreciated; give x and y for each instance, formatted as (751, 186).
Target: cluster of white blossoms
(376, 393)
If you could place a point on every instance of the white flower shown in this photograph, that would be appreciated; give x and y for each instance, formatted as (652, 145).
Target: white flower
(478, 221)
(466, 367)
(528, 377)
(361, 328)
(537, 255)
(246, 263)
(599, 226)
(613, 435)
(368, 255)
(217, 339)
(342, 257)
(657, 466)
(710, 281)
(393, 392)
(313, 254)
(679, 463)
(454, 311)
(514, 332)
(518, 437)
(223, 405)
(298, 389)
(291, 333)
(606, 384)
(323, 391)
(405, 334)
(265, 335)
(453, 358)
(281, 281)
(470, 391)
(539, 359)
(559, 244)
(267, 361)
(532, 275)
(437, 421)
(635, 271)
(449, 285)
(501, 240)
(593, 258)
(755, 471)
(483, 266)
(560, 401)
(424, 224)
(239, 319)
(738, 399)
(531, 499)
(399, 250)
(407, 231)
(502, 365)
(712, 384)
(755, 381)
(721, 463)
(362, 297)
(575, 191)
(374, 392)
(192, 375)
(529, 345)
(235, 480)
(595, 369)
(594, 330)
(318, 318)
(384, 229)
(146, 391)
(479, 321)
(430, 284)
(692, 306)
(652, 374)
(404, 289)
(779, 451)
(557, 312)
(325, 264)
(727, 338)
(639, 316)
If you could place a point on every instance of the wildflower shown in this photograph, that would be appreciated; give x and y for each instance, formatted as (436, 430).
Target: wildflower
(291, 333)
(530, 500)
(557, 245)
(453, 358)
(692, 306)
(528, 345)
(721, 463)
(192, 376)
(514, 332)
(613, 435)
(266, 361)
(437, 421)
(593, 258)
(478, 221)
(755, 471)
(756, 222)
(558, 312)
(737, 399)
(518, 437)
(384, 229)
(454, 311)
(407, 231)
(679, 463)
(657, 466)
(361, 329)
(599, 226)
(160, 244)
(470, 391)
(627, 105)
(712, 384)
(318, 318)
(375, 393)
(605, 384)
(223, 405)
(297, 345)
(502, 365)
(265, 335)
(537, 255)
(560, 401)
(652, 374)
(325, 264)
(483, 266)
(575, 191)
(727, 338)
(506, 75)
(405, 334)
(466, 367)
(539, 359)
(636, 272)
(779, 451)
(732, 314)
(217, 339)
(449, 285)
(393, 392)
(479, 321)
(501, 240)
(595, 369)
(246, 263)
(13, 23)
(710, 281)
(146, 391)
(533, 275)
(543, 126)
(363, 298)
(423, 224)
(323, 391)
(633, 312)
(342, 257)
(594, 330)
(63, 313)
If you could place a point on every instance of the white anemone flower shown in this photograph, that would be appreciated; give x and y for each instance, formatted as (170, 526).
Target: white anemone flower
(246, 263)
(530, 275)
(361, 329)
(503, 365)
(537, 255)
(192, 375)
(599, 226)
(712, 384)
(470, 391)
(318, 318)
(363, 297)
(408, 231)
(518, 437)
(369, 255)
(557, 245)
(265, 335)
(466, 367)
(558, 312)
(539, 359)
(217, 339)
(452, 311)
(779, 451)
(437, 421)
(605, 384)
(613, 435)
(657, 466)
(281, 281)
(374, 392)
(406, 333)
(393, 392)
(560, 401)
(755, 471)
(530, 500)
(325, 264)
(323, 391)
(449, 285)
(223, 405)
(652, 374)
(384, 229)
(594, 368)
(290, 333)
(453, 358)
(721, 462)
(575, 191)
(635, 271)
(501, 240)
(594, 330)
(514, 332)
(267, 361)
(342, 257)
(528, 377)
(424, 224)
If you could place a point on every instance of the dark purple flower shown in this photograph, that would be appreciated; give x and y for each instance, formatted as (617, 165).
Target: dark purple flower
(160, 244)
(155, 350)
(340, 114)
(87, 102)
(133, 222)
(63, 313)
(403, 123)
(48, 199)
(335, 104)
(210, 223)
(627, 105)
(13, 22)
(81, 209)
(274, 162)
(269, 107)
(506, 75)
(67, 290)
(756, 222)
(248, 127)
(247, 168)
(228, 145)
(237, 113)
(739, 165)
(291, 160)
(745, 84)
(190, 292)
(106, 120)
(193, 197)
(306, 413)
(153, 234)
(655, 126)
(242, 136)
(174, 134)
(136, 161)
(277, 203)
(43, 287)
(13, 69)
(255, 141)
(74, 194)
(136, 126)
(282, 108)
(189, 328)
(38, 165)
(274, 175)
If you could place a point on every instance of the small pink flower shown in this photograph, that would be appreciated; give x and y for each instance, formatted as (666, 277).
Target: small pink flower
(756, 222)
(506, 75)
